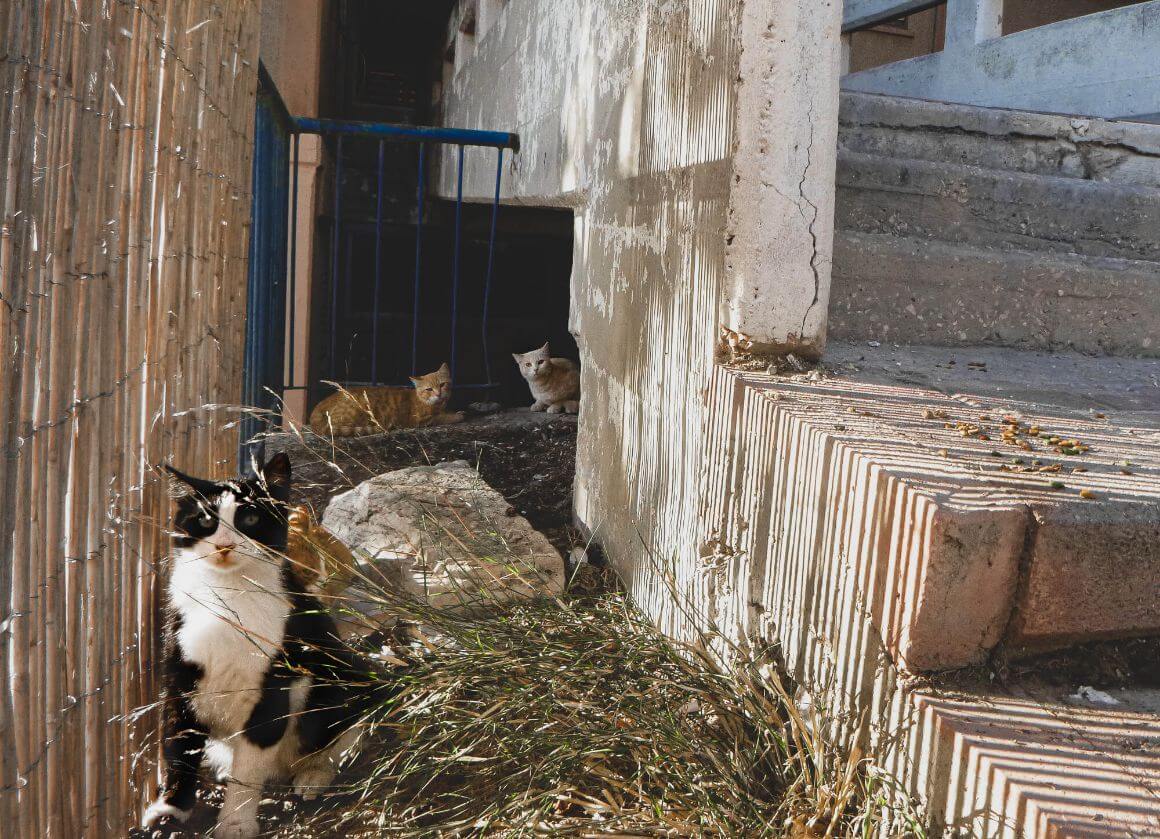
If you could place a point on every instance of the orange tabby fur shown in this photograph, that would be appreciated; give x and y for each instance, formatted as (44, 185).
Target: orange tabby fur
(358, 411)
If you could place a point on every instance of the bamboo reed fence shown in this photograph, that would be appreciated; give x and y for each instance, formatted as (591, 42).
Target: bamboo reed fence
(125, 147)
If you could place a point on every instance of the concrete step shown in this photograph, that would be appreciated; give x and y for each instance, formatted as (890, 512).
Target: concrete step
(895, 484)
(959, 225)
(918, 291)
(994, 208)
(1003, 140)
(1034, 759)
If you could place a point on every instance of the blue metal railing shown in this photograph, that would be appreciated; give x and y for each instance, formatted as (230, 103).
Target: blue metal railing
(272, 315)
(410, 133)
(425, 137)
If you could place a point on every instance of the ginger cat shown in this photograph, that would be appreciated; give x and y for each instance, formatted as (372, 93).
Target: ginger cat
(554, 382)
(373, 410)
(324, 564)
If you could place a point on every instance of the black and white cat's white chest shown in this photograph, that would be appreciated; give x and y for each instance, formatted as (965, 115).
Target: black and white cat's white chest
(229, 628)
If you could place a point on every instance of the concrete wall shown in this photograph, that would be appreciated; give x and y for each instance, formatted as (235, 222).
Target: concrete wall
(625, 111)
(1101, 65)
(923, 35)
(291, 48)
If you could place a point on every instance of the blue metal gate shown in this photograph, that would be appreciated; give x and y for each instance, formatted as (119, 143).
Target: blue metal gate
(270, 357)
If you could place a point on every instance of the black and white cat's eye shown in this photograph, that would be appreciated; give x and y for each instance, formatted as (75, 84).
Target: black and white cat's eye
(205, 520)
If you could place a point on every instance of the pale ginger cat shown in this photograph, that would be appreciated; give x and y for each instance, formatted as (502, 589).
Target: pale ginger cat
(373, 410)
(554, 382)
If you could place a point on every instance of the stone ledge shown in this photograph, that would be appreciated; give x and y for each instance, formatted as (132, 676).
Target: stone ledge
(1034, 761)
(1024, 141)
(951, 543)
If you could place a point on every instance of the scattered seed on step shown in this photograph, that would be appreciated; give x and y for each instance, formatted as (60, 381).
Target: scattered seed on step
(1058, 485)
(1087, 493)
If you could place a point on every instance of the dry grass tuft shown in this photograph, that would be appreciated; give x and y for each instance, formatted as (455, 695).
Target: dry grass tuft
(579, 719)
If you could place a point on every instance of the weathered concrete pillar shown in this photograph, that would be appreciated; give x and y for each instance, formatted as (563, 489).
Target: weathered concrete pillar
(781, 205)
(489, 12)
(971, 22)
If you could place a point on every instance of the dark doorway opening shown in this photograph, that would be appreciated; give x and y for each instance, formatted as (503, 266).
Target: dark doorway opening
(389, 58)
(529, 298)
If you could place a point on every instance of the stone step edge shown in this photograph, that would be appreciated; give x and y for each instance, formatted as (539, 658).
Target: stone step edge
(974, 590)
(873, 110)
(874, 299)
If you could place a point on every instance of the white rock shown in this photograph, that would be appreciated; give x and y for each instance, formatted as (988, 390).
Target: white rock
(441, 534)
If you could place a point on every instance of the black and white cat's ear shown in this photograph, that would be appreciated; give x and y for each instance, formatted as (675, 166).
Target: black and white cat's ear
(276, 476)
(198, 485)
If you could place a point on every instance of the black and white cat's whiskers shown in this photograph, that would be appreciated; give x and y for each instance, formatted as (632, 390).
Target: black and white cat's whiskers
(253, 664)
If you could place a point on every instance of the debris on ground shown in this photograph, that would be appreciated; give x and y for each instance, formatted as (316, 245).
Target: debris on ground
(1087, 693)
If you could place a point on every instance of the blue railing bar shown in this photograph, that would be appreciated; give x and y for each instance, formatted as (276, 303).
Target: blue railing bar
(292, 285)
(413, 133)
(378, 268)
(491, 264)
(418, 257)
(455, 262)
(334, 261)
(347, 267)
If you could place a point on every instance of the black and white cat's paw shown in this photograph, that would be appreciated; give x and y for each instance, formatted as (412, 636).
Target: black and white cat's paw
(160, 810)
(313, 782)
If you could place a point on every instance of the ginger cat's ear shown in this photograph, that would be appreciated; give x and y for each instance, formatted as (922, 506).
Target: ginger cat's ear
(276, 475)
(414, 381)
(445, 368)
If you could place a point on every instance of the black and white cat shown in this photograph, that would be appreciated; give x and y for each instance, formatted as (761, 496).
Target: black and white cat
(256, 678)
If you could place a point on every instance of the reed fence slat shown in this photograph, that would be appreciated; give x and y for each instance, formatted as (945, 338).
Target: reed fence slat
(125, 146)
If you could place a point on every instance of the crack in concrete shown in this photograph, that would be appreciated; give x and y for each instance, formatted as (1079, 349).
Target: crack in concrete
(1071, 141)
(812, 222)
